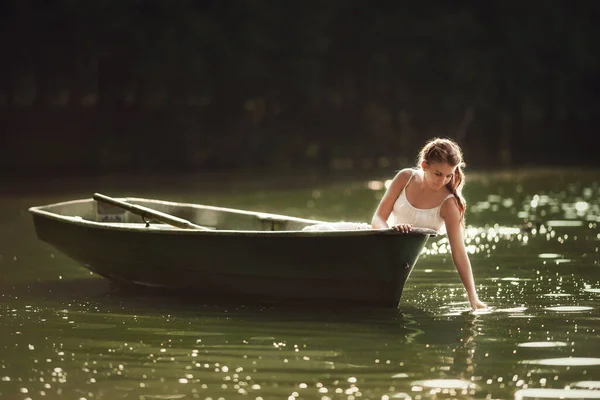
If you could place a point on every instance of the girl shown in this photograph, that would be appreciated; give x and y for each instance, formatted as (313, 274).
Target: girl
(430, 197)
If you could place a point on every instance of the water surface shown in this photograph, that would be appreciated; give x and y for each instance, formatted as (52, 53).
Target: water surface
(533, 238)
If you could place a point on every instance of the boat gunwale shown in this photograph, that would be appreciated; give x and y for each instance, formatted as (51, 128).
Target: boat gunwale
(166, 229)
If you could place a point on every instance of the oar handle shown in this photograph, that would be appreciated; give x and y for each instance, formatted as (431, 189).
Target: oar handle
(148, 212)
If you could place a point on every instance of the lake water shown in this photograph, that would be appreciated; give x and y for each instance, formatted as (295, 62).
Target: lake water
(533, 237)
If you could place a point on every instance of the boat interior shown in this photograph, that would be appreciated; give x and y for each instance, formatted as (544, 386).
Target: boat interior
(213, 218)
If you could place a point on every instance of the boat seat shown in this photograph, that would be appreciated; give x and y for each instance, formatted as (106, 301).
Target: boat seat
(272, 223)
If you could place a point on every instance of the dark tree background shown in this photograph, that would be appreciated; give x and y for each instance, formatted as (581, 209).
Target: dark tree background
(123, 85)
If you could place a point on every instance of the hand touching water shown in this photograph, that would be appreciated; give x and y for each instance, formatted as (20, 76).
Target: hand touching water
(477, 304)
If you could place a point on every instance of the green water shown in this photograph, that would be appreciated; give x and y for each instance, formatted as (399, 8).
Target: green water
(65, 334)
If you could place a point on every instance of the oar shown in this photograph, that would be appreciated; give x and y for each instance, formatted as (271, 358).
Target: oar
(146, 212)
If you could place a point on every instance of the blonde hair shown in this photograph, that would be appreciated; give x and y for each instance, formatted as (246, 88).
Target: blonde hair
(440, 150)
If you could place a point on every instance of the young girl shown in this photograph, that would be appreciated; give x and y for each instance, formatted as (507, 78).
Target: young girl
(430, 197)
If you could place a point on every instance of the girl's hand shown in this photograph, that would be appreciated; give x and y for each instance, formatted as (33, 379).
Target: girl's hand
(477, 304)
(404, 228)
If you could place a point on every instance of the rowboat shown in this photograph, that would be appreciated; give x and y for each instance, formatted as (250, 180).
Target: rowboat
(210, 251)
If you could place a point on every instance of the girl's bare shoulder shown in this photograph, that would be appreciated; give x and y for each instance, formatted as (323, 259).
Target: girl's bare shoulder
(403, 176)
(450, 207)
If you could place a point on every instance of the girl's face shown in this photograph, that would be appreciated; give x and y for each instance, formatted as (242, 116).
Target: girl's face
(438, 174)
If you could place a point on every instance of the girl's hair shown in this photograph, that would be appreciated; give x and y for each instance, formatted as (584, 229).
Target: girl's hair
(447, 151)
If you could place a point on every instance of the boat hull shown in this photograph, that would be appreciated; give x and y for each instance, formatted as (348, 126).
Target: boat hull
(368, 268)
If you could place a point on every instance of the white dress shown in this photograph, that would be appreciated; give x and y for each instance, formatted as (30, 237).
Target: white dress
(404, 212)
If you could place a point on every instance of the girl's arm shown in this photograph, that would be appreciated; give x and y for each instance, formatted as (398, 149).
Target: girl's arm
(386, 204)
(452, 218)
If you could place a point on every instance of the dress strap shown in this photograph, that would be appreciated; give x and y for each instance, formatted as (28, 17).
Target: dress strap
(446, 198)
(412, 173)
(439, 208)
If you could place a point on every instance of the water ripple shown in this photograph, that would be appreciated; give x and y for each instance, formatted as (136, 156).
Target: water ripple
(593, 385)
(569, 308)
(565, 361)
(542, 344)
(540, 394)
